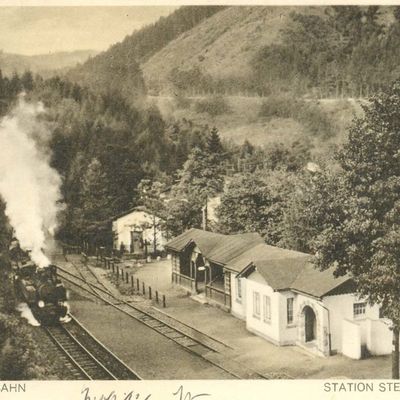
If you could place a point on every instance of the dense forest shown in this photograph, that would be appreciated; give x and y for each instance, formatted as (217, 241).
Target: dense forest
(348, 51)
(108, 152)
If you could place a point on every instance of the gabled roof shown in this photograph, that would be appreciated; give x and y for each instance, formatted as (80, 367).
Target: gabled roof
(131, 210)
(233, 246)
(317, 283)
(262, 252)
(281, 273)
(282, 269)
(205, 240)
(299, 275)
(215, 246)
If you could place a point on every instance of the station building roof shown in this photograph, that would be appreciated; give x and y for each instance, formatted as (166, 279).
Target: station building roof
(282, 269)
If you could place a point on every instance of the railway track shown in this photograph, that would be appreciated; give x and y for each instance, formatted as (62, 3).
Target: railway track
(187, 337)
(85, 356)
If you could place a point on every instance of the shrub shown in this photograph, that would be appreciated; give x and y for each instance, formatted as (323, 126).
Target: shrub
(20, 357)
(216, 105)
(182, 102)
(280, 106)
(314, 119)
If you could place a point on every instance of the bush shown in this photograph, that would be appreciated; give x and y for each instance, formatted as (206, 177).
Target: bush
(314, 119)
(20, 357)
(182, 102)
(216, 105)
(280, 106)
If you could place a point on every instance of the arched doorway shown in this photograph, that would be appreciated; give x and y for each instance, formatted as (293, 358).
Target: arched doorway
(309, 324)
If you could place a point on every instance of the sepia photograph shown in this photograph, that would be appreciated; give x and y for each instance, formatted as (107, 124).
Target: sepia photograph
(200, 192)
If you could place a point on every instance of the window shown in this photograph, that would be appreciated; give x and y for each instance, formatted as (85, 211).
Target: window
(256, 304)
(238, 288)
(289, 307)
(359, 309)
(267, 309)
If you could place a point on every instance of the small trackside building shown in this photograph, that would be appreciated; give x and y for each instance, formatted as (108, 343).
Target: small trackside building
(278, 293)
(138, 231)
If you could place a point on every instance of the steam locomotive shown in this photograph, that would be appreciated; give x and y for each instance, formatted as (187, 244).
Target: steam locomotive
(42, 290)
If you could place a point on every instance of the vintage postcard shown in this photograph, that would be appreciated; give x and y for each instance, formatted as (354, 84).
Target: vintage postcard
(199, 200)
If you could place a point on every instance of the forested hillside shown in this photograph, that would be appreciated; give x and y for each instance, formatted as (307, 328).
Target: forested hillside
(349, 51)
(117, 68)
(317, 51)
(321, 52)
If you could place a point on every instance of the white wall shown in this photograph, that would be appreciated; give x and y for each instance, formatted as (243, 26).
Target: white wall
(278, 330)
(351, 336)
(288, 333)
(136, 220)
(269, 330)
(238, 308)
(379, 337)
(334, 314)
(341, 307)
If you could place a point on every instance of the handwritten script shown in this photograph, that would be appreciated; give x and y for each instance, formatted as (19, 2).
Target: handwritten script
(180, 394)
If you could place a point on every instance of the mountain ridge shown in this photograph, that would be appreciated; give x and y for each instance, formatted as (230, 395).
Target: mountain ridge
(45, 64)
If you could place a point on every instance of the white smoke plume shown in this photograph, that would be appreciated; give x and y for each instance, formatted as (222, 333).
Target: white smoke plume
(26, 313)
(28, 185)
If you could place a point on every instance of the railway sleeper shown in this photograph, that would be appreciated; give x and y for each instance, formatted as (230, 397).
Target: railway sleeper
(154, 324)
(165, 330)
(174, 335)
(186, 342)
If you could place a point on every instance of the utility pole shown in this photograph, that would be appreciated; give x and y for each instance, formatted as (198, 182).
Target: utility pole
(154, 235)
(204, 210)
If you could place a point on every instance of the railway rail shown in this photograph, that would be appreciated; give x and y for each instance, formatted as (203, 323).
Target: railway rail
(187, 337)
(190, 342)
(86, 357)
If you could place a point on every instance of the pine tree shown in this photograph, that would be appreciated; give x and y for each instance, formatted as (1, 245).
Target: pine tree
(202, 175)
(214, 145)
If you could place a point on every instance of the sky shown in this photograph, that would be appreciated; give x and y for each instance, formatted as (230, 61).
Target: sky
(43, 30)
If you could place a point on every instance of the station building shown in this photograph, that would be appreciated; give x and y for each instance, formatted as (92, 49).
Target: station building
(278, 293)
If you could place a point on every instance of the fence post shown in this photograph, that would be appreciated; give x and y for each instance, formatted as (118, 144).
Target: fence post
(126, 277)
(137, 284)
(163, 301)
(113, 267)
(143, 288)
(156, 296)
(117, 272)
(150, 292)
(132, 284)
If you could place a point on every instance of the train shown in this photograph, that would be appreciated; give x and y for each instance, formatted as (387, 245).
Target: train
(41, 288)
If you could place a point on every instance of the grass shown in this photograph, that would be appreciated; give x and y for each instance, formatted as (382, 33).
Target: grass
(245, 122)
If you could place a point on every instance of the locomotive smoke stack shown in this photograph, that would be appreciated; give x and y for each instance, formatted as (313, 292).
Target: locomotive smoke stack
(28, 185)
